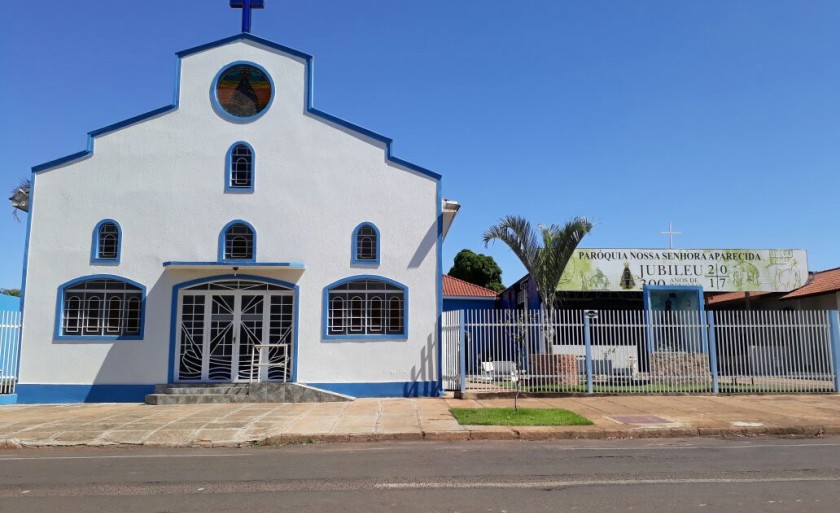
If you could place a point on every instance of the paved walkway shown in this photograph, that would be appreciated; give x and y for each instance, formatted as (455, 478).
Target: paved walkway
(410, 419)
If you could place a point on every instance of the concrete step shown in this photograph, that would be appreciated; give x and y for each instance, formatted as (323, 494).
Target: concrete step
(242, 393)
(159, 399)
(204, 389)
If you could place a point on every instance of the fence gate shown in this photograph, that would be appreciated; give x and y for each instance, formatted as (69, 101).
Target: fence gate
(10, 322)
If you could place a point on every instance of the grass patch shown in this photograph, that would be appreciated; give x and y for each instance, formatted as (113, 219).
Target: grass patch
(520, 417)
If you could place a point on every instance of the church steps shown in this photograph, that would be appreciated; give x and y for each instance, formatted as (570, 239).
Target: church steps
(202, 393)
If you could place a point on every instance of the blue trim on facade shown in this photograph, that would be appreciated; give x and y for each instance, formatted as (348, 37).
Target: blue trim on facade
(44, 393)
(354, 260)
(385, 389)
(94, 245)
(101, 131)
(25, 262)
(309, 108)
(221, 254)
(439, 285)
(8, 398)
(214, 99)
(174, 313)
(290, 265)
(59, 308)
(326, 303)
(229, 168)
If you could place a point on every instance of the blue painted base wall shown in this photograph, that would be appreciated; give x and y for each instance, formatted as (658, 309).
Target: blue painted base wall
(45, 394)
(8, 398)
(450, 304)
(34, 394)
(390, 389)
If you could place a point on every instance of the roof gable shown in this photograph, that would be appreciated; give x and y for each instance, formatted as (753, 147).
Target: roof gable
(454, 287)
(309, 108)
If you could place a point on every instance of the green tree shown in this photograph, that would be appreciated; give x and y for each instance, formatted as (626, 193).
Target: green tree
(544, 262)
(478, 269)
(10, 292)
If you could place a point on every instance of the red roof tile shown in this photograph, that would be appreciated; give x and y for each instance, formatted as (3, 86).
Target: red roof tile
(725, 297)
(460, 288)
(822, 282)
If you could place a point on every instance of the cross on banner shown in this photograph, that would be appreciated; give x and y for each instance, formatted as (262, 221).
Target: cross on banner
(670, 233)
(246, 6)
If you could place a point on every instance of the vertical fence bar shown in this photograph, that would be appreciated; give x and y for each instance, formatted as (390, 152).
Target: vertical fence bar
(462, 350)
(834, 330)
(713, 359)
(587, 340)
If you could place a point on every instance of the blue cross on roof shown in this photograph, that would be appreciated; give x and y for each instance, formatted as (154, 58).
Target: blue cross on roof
(246, 6)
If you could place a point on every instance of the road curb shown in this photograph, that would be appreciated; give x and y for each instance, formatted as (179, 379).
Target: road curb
(469, 433)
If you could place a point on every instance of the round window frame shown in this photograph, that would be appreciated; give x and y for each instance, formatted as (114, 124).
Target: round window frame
(220, 110)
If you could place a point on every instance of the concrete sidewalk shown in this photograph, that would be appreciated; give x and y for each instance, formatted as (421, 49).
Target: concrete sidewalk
(410, 419)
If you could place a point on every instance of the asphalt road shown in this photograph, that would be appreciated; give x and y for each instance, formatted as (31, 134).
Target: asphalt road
(759, 475)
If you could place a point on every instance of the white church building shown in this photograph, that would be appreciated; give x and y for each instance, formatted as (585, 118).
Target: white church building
(237, 235)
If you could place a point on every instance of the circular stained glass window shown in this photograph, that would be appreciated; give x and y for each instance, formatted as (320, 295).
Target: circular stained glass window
(243, 91)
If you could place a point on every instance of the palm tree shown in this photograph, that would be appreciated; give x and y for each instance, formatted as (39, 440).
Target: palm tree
(545, 263)
(20, 197)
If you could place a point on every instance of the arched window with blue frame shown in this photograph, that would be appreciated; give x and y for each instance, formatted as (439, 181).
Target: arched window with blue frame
(239, 168)
(365, 307)
(105, 246)
(101, 306)
(237, 242)
(365, 244)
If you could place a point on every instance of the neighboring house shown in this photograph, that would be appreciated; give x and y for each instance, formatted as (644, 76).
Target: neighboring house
(745, 301)
(463, 295)
(8, 303)
(522, 295)
(821, 292)
(239, 234)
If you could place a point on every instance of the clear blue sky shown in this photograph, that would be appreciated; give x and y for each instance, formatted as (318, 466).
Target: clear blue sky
(721, 116)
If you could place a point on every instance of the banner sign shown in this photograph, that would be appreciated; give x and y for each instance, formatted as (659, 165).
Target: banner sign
(716, 270)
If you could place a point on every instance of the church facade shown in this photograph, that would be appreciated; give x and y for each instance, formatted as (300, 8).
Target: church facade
(237, 235)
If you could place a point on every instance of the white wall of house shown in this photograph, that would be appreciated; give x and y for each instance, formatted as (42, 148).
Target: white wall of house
(163, 180)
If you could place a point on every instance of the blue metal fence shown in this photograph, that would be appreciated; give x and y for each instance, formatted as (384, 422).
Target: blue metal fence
(10, 324)
(642, 351)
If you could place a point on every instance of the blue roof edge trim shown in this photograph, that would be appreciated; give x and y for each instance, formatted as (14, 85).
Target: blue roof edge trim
(292, 265)
(309, 108)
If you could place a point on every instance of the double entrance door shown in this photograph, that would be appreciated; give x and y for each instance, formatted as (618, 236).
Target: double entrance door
(235, 331)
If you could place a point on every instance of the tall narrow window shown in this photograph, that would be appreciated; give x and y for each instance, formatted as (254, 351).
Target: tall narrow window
(366, 244)
(106, 242)
(365, 307)
(238, 242)
(240, 168)
(101, 307)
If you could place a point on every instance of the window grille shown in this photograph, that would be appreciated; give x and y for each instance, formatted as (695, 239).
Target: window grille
(101, 308)
(522, 295)
(366, 307)
(241, 166)
(239, 243)
(108, 242)
(366, 244)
